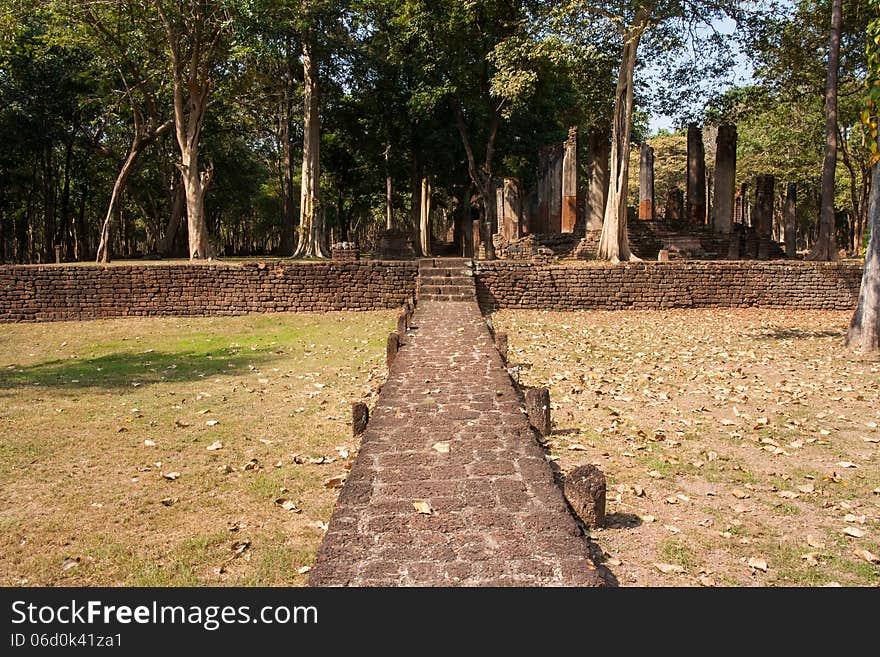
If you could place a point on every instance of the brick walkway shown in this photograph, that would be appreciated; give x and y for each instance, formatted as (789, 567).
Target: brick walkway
(497, 517)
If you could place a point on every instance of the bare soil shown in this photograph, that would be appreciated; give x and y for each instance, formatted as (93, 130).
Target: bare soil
(741, 447)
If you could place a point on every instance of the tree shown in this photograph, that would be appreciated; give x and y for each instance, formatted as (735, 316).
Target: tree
(864, 329)
(193, 32)
(671, 24)
(825, 247)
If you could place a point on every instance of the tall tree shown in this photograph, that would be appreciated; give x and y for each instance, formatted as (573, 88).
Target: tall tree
(193, 32)
(864, 329)
(825, 247)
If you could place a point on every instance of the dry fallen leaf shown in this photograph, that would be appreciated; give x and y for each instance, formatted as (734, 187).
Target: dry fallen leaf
(212, 423)
(669, 569)
(788, 495)
(740, 494)
(648, 518)
(846, 464)
(171, 476)
(806, 488)
(757, 563)
(442, 448)
(302, 570)
(335, 482)
(170, 501)
(149, 443)
(423, 507)
(287, 504)
(855, 532)
(868, 556)
(69, 563)
(815, 542)
(239, 547)
(213, 447)
(812, 558)
(181, 424)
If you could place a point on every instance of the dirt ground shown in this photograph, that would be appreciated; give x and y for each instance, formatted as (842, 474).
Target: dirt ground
(740, 447)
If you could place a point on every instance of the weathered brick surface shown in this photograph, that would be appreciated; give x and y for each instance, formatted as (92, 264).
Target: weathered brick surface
(47, 293)
(802, 285)
(498, 517)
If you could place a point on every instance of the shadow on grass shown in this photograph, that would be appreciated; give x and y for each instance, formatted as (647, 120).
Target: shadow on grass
(799, 334)
(126, 370)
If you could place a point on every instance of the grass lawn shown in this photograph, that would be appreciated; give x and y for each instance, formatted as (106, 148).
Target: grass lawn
(740, 447)
(150, 452)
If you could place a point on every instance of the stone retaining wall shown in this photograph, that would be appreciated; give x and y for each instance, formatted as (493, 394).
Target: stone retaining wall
(802, 285)
(48, 293)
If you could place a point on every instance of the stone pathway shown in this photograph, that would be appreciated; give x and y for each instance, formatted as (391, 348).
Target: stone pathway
(496, 516)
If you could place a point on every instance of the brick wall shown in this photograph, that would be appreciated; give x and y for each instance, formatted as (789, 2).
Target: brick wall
(47, 293)
(804, 285)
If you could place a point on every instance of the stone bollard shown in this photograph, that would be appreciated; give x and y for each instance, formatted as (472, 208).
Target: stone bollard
(392, 348)
(360, 416)
(663, 255)
(538, 409)
(501, 345)
(401, 322)
(584, 490)
(58, 255)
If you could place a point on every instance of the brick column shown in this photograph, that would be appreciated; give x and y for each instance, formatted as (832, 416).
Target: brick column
(646, 182)
(762, 218)
(696, 176)
(569, 182)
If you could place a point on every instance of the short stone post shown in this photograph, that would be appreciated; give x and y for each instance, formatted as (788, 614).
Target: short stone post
(584, 489)
(696, 176)
(663, 255)
(725, 178)
(739, 205)
(763, 214)
(360, 416)
(401, 321)
(538, 409)
(501, 345)
(58, 255)
(646, 182)
(391, 349)
(791, 220)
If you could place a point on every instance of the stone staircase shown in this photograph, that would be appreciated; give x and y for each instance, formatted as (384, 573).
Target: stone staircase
(446, 279)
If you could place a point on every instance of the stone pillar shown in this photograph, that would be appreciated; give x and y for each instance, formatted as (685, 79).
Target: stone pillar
(554, 190)
(360, 416)
(696, 176)
(674, 212)
(512, 209)
(499, 211)
(569, 182)
(597, 192)
(791, 220)
(739, 205)
(725, 178)
(538, 409)
(646, 182)
(475, 239)
(763, 214)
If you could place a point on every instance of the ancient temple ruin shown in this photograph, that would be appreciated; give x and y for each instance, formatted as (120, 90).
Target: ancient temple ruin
(557, 220)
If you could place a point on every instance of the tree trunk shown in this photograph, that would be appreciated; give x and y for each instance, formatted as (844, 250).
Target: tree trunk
(288, 222)
(103, 254)
(825, 247)
(49, 210)
(310, 244)
(864, 329)
(168, 244)
(425, 218)
(613, 241)
(389, 211)
(66, 234)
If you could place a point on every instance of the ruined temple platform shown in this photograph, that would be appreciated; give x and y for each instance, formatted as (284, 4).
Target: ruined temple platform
(448, 436)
